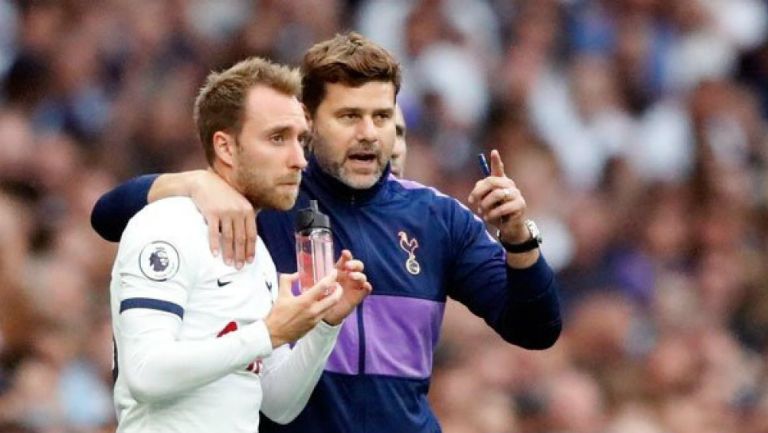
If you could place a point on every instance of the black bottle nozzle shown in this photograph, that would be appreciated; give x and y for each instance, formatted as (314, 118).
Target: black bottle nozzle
(311, 218)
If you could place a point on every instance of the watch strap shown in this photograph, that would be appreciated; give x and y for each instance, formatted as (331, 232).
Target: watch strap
(524, 247)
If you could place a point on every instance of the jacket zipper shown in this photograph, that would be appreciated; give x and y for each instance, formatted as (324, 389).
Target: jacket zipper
(359, 313)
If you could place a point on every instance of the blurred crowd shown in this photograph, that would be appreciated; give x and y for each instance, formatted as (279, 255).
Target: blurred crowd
(636, 129)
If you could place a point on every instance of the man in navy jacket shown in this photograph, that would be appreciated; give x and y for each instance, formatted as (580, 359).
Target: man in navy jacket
(419, 246)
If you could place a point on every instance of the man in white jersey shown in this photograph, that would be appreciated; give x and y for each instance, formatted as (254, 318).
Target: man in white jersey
(201, 345)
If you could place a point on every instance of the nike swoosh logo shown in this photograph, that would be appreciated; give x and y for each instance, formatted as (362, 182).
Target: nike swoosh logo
(269, 286)
(222, 283)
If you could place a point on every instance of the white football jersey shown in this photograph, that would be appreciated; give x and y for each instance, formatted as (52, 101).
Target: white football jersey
(192, 350)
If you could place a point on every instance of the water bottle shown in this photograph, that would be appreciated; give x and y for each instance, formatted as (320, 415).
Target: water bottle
(314, 245)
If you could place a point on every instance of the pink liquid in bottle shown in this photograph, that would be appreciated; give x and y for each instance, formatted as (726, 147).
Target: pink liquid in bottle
(314, 246)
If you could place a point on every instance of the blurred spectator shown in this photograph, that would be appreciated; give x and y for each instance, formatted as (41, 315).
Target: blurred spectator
(7, 34)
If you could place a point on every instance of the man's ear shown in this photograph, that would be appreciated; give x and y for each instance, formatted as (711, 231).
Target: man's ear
(224, 147)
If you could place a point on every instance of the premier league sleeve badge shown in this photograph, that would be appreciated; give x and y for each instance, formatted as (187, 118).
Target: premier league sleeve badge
(159, 261)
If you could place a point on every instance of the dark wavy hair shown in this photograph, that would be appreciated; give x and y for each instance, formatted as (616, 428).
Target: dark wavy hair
(350, 59)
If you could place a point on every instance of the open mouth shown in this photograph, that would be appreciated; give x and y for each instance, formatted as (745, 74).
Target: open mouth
(363, 156)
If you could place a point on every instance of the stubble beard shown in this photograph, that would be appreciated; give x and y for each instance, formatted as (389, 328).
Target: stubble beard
(263, 195)
(337, 169)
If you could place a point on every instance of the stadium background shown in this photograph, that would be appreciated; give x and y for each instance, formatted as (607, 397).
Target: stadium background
(635, 128)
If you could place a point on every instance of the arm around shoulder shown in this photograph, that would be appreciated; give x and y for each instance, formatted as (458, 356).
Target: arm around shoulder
(115, 208)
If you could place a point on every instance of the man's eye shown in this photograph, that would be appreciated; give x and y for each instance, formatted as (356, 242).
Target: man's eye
(277, 138)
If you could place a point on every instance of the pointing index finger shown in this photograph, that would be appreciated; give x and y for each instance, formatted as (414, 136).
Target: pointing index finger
(497, 166)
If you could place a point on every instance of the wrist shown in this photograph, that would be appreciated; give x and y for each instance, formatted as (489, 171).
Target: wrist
(274, 337)
(175, 185)
(333, 321)
(193, 182)
(522, 243)
(517, 235)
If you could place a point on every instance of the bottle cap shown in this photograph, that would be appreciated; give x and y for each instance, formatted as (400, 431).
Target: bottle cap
(311, 218)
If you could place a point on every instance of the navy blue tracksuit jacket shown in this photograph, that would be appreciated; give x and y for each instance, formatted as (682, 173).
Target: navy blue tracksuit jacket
(419, 247)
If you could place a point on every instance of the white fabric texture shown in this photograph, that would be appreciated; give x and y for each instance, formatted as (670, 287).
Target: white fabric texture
(194, 354)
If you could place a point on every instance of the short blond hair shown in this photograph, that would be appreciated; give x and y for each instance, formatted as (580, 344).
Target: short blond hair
(220, 104)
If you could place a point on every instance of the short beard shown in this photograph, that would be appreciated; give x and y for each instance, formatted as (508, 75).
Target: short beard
(260, 192)
(256, 191)
(336, 168)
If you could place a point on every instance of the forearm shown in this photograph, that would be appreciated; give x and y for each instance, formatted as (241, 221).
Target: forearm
(157, 366)
(531, 317)
(173, 185)
(114, 209)
(523, 260)
(291, 375)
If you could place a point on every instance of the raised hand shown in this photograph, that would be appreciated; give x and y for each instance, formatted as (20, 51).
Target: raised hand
(499, 202)
(293, 316)
(355, 286)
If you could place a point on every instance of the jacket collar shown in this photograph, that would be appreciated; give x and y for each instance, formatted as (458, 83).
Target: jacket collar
(323, 182)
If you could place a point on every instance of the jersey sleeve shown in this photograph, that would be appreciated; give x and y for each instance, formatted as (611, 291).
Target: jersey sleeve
(157, 261)
(157, 267)
(521, 305)
(115, 208)
(290, 374)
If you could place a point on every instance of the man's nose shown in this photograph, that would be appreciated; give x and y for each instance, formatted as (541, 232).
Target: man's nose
(297, 158)
(366, 129)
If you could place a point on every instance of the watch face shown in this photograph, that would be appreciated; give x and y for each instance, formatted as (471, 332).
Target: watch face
(535, 233)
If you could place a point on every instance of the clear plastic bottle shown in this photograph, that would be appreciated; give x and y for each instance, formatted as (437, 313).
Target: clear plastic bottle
(314, 245)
